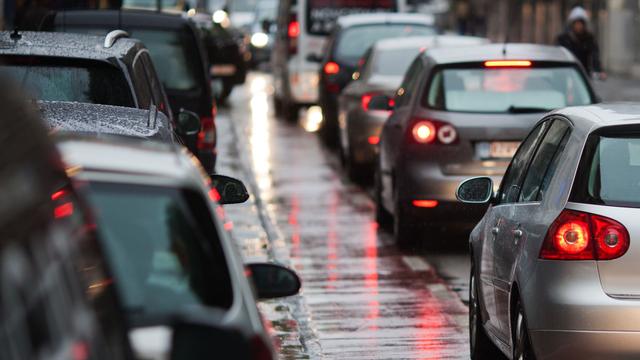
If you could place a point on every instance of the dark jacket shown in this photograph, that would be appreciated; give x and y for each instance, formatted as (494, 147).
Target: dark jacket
(584, 47)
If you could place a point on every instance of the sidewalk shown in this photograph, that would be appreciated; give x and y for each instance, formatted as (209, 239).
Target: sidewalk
(617, 88)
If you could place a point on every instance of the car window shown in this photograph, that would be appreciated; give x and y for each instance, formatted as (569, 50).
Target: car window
(510, 186)
(500, 90)
(59, 79)
(403, 95)
(354, 41)
(163, 246)
(543, 165)
(393, 62)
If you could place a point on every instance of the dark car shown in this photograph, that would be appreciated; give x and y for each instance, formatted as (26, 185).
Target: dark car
(57, 298)
(350, 39)
(177, 51)
(461, 112)
(108, 70)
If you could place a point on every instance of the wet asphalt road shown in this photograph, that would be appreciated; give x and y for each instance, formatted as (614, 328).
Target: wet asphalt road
(362, 298)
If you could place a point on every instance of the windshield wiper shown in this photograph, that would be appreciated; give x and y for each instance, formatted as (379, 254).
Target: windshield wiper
(525, 109)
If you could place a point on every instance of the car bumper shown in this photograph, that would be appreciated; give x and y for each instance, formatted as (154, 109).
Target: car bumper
(360, 132)
(570, 316)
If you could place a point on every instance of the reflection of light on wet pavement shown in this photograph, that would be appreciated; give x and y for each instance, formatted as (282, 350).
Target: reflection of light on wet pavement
(312, 119)
(259, 132)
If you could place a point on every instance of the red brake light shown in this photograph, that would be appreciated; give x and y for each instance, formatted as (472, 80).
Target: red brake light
(424, 131)
(294, 29)
(207, 134)
(331, 68)
(373, 140)
(366, 99)
(293, 32)
(576, 235)
(507, 63)
(425, 203)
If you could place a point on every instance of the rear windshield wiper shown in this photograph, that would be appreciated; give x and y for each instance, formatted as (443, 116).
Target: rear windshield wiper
(525, 109)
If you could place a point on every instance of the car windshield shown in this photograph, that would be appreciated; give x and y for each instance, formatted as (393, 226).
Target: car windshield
(355, 41)
(613, 167)
(493, 90)
(322, 14)
(163, 248)
(174, 53)
(393, 62)
(54, 79)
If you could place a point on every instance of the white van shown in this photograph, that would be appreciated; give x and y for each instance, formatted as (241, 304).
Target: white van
(303, 27)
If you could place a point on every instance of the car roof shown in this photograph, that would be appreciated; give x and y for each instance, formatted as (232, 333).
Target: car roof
(122, 18)
(119, 158)
(385, 18)
(428, 42)
(67, 45)
(600, 115)
(508, 51)
(102, 119)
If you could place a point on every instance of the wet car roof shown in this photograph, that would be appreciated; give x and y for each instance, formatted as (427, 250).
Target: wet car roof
(128, 18)
(119, 156)
(428, 41)
(481, 53)
(65, 45)
(105, 119)
(603, 114)
(382, 18)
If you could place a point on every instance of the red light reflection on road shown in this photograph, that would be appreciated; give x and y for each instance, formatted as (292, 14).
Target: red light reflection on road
(332, 242)
(371, 273)
(295, 227)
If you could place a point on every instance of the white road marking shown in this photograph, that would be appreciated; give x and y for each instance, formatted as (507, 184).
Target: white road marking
(416, 263)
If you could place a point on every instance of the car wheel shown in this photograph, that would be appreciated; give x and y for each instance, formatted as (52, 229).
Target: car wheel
(404, 230)
(290, 111)
(355, 171)
(277, 105)
(383, 217)
(522, 349)
(480, 345)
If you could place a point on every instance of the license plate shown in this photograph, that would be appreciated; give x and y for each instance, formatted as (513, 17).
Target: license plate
(223, 70)
(503, 149)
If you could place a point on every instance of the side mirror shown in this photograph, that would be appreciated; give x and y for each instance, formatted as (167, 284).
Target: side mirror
(232, 191)
(314, 58)
(274, 281)
(381, 102)
(188, 127)
(478, 190)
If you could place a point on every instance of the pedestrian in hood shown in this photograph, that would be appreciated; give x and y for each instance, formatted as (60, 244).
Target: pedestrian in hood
(580, 41)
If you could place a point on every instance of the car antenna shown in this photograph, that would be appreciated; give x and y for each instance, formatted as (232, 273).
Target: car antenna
(506, 35)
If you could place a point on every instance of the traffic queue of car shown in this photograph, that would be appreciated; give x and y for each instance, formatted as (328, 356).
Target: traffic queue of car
(111, 146)
(508, 141)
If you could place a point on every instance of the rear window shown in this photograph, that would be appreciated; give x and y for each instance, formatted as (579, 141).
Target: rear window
(609, 172)
(355, 41)
(163, 248)
(504, 90)
(174, 53)
(322, 14)
(393, 62)
(60, 79)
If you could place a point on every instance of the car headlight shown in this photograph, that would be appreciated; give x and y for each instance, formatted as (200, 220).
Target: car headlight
(259, 39)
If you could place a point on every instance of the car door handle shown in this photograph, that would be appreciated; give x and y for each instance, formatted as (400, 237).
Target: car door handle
(517, 233)
(495, 230)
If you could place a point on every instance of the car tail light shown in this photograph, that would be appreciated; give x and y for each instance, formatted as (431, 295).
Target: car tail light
(331, 68)
(207, 134)
(293, 31)
(576, 235)
(427, 131)
(373, 140)
(430, 204)
(259, 349)
(365, 100)
(507, 63)
(63, 207)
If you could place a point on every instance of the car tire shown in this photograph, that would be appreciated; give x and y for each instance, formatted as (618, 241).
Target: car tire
(383, 217)
(277, 106)
(522, 349)
(356, 172)
(290, 111)
(480, 345)
(404, 230)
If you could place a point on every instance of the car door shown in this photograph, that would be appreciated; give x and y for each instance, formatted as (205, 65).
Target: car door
(521, 220)
(498, 230)
(393, 130)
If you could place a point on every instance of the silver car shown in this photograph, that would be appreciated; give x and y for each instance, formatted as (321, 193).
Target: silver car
(160, 223)
(554, 273)
(380, 73)
(461, 112)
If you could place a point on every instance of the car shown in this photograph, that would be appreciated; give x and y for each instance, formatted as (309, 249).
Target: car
(165, 237)
(554, 266)
(177, 52)
(350, 39)
(461, 112)
(54, 304)
(262, 32)
(303, 27)
(380, 73)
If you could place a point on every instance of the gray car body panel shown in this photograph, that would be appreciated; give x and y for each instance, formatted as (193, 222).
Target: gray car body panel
(574, 309)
